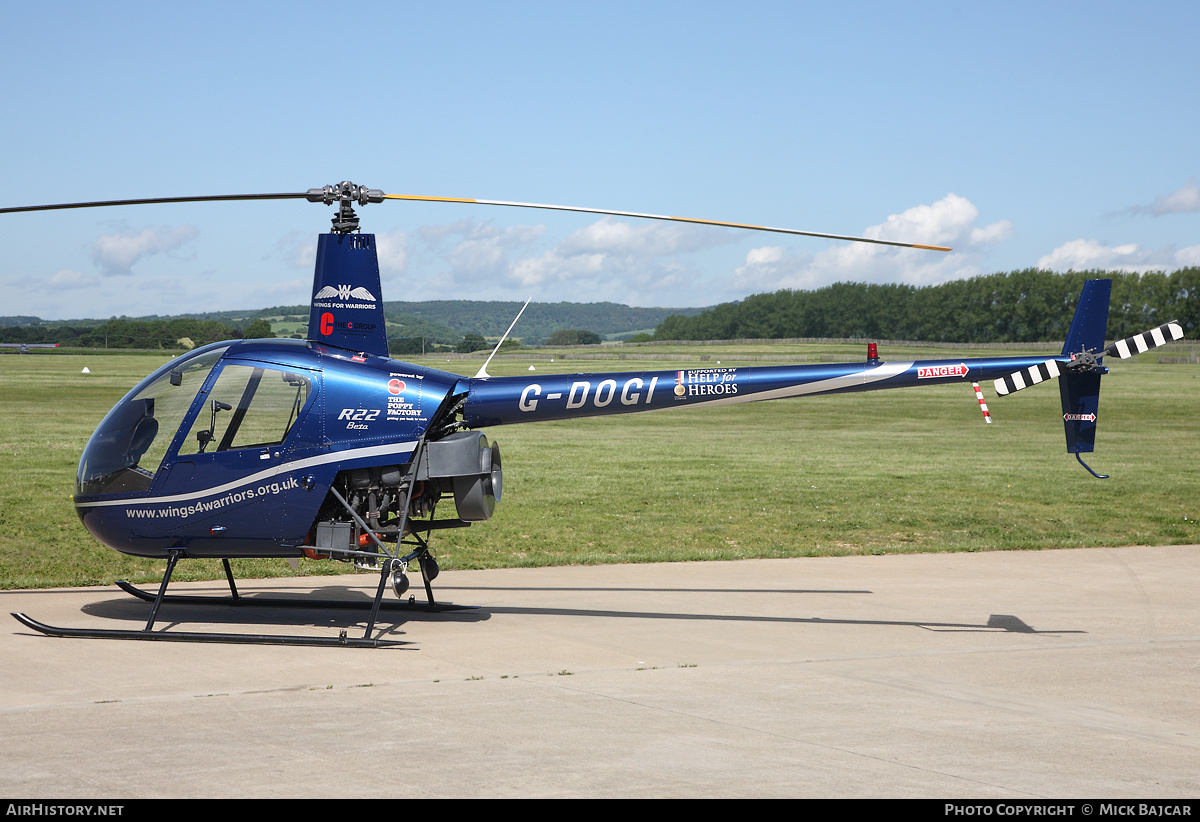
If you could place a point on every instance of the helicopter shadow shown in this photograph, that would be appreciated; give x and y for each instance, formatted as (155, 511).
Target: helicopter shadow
(344, 607)
(996, 623)
(338, 607)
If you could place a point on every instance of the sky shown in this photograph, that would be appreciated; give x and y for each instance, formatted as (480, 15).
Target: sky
(1059, 135)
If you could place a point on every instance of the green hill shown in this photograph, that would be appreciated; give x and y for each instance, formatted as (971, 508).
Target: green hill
(442, 321)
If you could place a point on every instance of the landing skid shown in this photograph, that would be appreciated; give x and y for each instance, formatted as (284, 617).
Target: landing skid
(192, 636)
(236, 600)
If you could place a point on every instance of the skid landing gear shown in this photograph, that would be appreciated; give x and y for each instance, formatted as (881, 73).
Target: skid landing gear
(236, 600)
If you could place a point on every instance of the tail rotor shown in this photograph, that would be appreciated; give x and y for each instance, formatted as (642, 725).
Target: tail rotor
(1080, 366)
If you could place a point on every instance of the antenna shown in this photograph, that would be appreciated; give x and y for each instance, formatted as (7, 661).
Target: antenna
(482, 373)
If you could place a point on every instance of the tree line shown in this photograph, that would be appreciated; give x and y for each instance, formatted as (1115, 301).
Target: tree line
(1031, 305)
(176, 334)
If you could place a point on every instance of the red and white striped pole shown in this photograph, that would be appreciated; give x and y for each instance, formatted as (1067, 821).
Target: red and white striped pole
(987, 417)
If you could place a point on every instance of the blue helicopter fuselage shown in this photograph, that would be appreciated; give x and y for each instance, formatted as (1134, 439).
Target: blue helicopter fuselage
(230, 450)
(239, 449)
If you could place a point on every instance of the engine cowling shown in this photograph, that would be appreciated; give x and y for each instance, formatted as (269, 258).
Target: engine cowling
(467, 464)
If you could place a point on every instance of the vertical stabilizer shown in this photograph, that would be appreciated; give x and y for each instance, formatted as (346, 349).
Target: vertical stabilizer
(1080, 390)
(347, 309)
(1090, 322)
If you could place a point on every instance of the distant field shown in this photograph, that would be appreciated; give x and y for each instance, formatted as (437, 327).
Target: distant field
(892, 471)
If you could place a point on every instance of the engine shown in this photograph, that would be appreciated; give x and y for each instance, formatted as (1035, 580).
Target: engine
(466, 466)
(366, 501)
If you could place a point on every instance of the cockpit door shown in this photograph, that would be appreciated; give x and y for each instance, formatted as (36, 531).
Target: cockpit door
(226, 471)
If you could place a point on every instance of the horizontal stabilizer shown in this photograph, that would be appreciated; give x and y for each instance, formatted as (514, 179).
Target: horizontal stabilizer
(1141, 343)
(1026, 377)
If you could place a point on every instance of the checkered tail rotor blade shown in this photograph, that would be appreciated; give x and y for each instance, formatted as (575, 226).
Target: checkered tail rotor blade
(1141, 343)
(1026, 377)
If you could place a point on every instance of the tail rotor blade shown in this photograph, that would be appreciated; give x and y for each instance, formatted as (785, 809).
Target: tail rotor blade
(1026, 377)
(1141, 343)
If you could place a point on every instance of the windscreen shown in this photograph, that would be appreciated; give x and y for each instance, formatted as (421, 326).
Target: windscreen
(127, 449)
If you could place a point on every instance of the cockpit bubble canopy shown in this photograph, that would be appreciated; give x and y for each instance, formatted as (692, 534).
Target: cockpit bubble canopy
(128, 448)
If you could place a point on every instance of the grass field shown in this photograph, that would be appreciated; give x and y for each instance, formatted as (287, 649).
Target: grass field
(891, 471)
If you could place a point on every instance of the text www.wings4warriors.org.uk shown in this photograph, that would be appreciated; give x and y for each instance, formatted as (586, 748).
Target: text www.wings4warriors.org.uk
(185, 511)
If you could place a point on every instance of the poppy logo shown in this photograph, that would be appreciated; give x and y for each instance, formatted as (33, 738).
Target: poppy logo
(395, 387)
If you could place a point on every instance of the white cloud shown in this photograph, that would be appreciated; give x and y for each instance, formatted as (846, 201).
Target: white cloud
(291, 292)
(393, 253)
(485, 249)
(947, 222)
(68, 279)
(938, 224)
(604, 277)
(611, 259)
(1182, 200)
(606, 260)
(297, 248)
(118, 253)
(1081, 255)
(610, 236)
(992, 234)
(771, 268)
(647, 262)
(477, 253)
(1189, 256)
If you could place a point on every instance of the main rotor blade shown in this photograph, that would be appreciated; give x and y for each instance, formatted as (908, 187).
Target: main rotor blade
(153, 201)
(314, 196)
(719, 223)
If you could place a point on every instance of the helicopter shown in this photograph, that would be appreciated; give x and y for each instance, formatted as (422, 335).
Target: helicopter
(327, 448)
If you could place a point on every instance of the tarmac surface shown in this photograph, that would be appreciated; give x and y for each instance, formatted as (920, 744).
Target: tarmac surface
(1023, 675)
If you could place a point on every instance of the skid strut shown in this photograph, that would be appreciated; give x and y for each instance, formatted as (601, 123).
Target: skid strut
(236, 600)
(389, 563)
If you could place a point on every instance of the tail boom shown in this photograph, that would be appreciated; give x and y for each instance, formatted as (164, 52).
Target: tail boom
(507, 400)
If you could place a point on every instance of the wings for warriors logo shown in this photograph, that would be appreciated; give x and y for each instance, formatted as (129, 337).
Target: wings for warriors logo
(344, 296)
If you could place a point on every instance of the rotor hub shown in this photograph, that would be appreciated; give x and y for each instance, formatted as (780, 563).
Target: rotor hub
(345, 194)
(1085, 360)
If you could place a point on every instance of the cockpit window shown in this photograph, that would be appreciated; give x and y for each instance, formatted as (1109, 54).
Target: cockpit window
(248, 406)
(127, 449)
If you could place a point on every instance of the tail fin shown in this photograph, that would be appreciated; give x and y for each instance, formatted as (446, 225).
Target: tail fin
(1080, 390)
(1090, 320)
(1080, 365)
(346, 309)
